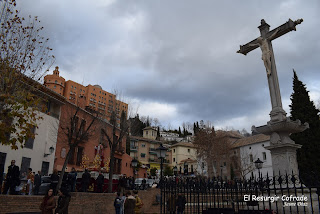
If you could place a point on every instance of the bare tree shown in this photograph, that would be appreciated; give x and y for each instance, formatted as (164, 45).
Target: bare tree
(75, 131)
(115, 138)
(243, 163)
(214, 147)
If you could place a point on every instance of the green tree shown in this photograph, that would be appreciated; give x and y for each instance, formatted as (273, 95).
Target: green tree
(24, 56)
(303, 109)
(153, 171)
(167, 171)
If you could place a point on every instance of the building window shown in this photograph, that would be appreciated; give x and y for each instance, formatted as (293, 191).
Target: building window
(174, 160)
(146, 132)
(262, 145)
(188, 150)
(25, 165)
(143, 145)
(54, 86)
(224, 164)
(264, 155)
(30, 141)
(174, 150)
(251, 158)
(45, 168)
(71, 159)
(143, 155)
(56, 81)
(79, 155)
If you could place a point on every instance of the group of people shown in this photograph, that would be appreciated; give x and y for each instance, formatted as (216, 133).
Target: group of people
(48, 204)
(126, 182)
(13, 181)
(128, 203)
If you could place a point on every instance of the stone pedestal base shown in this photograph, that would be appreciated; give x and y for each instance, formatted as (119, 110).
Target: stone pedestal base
(284, 158)
(283, 149)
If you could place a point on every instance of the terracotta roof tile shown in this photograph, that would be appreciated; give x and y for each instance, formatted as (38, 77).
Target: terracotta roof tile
(187, 144)
(250, 140)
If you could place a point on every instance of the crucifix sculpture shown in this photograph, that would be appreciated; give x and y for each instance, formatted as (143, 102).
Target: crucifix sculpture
(264, 42)
(283, 149)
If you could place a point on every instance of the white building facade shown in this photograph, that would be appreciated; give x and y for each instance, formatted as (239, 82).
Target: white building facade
(38, 153)
(251, 149)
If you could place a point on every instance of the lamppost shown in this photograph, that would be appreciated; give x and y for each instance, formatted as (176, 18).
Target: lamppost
(258, 163)
(161, 153)
(134, 164)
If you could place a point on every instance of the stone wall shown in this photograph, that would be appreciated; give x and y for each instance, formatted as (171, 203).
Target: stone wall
(81, 203)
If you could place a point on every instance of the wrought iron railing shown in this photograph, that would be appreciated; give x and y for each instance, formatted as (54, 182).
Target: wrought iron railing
(269, 194)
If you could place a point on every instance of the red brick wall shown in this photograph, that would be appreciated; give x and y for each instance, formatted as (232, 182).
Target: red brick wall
(81, 203)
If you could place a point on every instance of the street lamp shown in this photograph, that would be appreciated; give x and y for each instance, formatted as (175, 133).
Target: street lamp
(258, 163)
(161, 153)
(134, 164)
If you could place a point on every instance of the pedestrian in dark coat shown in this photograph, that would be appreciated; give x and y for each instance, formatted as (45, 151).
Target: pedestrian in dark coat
(85, 180)
(129, 204)
(181, 203)
(63, 201)
(37, 182)
(48, 203)
(100, 182)
(54, 180)
(12, 179)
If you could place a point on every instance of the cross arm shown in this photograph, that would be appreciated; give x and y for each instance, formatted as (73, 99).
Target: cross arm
(283, 29)
(244, 49)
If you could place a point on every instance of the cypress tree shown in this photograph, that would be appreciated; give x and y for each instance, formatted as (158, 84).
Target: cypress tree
(303, 108)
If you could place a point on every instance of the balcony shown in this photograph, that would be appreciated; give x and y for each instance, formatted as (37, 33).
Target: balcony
(133, 149)
(156, 160)
(153, 151)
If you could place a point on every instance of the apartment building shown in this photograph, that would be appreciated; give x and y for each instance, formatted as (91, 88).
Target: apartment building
(184, 157)
(144, 149)
(90, 97)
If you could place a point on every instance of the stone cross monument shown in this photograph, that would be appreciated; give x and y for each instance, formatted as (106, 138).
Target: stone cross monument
(283, 149)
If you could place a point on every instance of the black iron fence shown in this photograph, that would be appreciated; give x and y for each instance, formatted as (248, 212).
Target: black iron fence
(269, 194)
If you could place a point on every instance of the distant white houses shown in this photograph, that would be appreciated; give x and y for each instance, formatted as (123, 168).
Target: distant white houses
(38, 153)
(169, 136)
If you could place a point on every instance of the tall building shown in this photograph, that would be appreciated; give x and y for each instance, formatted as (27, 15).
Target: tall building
(95, 98)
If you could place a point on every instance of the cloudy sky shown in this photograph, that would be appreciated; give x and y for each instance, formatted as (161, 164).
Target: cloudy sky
(176, 60)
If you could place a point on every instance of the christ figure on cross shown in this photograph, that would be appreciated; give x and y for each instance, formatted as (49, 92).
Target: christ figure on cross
(266, 50)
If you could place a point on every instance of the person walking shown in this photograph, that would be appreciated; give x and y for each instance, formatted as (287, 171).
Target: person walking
(48, 203)
(85, 180)
(129, 204)
(181, 203)
(139, 203)
(37, 183)
(30, 181)
(12, 179)
(117, 203)
(63, 201)
(100, 182)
